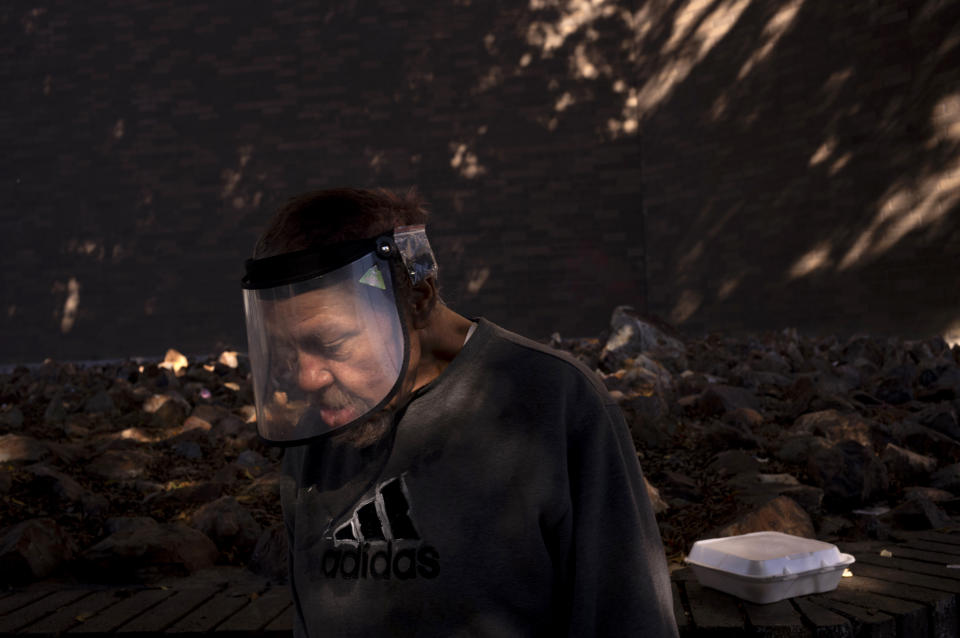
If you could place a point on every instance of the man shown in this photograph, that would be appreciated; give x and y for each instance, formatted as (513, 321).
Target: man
(452, 478)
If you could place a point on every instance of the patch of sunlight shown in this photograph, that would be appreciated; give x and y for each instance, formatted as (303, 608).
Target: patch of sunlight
(477, 278)
(839, 163)
(47, 84)
(686, 262)
(11, 310)
(836, 81)
(86, 248)
(118, 129)
(685, 20)
(584, 65)
(688, 304)
(575, 14)
(70, 306)
(376, 160)
(465, 161)
(908, 207)
(728, 286)
(823, 152)
(816, 258)
(565, 100)
(952, 335)
(492, 78)
(714, 27)
(772, 32)
(231, 178)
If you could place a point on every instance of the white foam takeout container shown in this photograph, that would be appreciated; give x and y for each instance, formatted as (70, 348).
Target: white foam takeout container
(764, 567)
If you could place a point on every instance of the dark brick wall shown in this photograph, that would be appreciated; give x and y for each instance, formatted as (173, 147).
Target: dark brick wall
(146, 142)
(817, 187)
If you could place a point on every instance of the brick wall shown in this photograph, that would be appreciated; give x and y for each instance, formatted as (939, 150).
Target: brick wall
(576, 155)
(806, 170)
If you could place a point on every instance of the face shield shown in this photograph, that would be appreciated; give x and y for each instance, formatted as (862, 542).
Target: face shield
(327, 342)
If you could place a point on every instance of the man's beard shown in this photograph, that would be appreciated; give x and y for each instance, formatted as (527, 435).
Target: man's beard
(367, 432)
(359, 435)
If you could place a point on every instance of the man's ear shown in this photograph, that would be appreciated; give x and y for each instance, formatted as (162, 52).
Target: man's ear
(423, 300)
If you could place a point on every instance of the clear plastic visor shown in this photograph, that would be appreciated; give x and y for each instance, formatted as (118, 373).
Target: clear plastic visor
(325, 353)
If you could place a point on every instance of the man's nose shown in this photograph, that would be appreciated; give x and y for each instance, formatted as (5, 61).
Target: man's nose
(314, 373)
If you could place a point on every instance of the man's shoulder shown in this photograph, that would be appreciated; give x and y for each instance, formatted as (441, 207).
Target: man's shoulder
(527, 356)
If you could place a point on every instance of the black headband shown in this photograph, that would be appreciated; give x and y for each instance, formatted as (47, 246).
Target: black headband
(301, 265)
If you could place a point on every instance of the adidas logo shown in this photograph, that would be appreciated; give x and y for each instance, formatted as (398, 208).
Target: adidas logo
(380, 540)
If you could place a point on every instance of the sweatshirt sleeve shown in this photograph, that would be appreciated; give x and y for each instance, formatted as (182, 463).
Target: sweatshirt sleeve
(617, 570)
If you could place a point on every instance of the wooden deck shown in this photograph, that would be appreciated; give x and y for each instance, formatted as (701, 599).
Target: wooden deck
(912, 593)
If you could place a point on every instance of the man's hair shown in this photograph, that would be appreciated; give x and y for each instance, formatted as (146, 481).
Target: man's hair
(325, 217)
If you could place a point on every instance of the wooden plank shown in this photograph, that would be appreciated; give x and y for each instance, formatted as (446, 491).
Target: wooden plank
(42, 607)
(129, 607)
(259, 613)
(936, 537)
(76, 612)
(169, 611)
(679, 613)
(867, 623)
(823, 622)
(931, 546)
(19, 599)
(221, 606)
(283, 623)
(911, 618)
(714, 613)
(896, 576)
(775, 620)
(907, 565)
(941, 606)
(926, 556)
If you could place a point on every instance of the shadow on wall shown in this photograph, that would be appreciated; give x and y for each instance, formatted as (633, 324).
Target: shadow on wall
(734, 164)
(802, 164)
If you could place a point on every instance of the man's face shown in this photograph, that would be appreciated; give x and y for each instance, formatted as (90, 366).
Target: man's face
(341, 356)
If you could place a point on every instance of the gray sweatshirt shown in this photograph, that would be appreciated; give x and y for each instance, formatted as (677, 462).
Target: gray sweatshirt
(508, 501)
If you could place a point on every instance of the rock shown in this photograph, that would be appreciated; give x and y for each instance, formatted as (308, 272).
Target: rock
(185, 496)
(923, 440)
(11, 418)
(56, 411)
(145, 552)
(947, 478)
(129, 524)
(70, 493)
(33, 550)
(15, 448)
(907, 466)
(630, 335)
(849, 474)
(119, 465)
(228, 525)
(930, 493)
(99, 403)
(188, 450)
(269, 558)
(840, 427)
(918, 514)
(732, 462)
(169, 415)
(781, 514)
(941, 419)
(228, 358)
(719, 399)
(796, 450)
(174, 361)
(718, 435)
(744, 418)
(267, 487)
(659, 505)
(253, 461)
